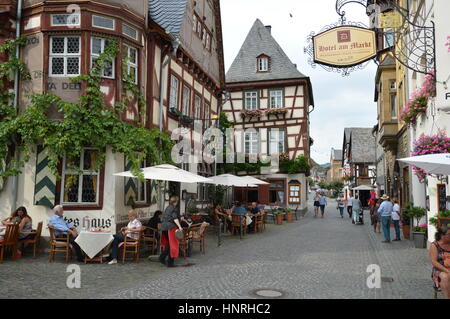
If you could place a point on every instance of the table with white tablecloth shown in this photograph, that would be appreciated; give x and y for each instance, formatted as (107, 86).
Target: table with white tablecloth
(92, 243)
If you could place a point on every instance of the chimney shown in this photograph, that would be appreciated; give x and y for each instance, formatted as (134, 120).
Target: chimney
(269, 28)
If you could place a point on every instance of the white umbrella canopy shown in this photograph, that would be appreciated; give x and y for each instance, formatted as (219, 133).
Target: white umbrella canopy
(253, 180)
(230, 180)
(438, 164)
(166, 172)
(363, 188)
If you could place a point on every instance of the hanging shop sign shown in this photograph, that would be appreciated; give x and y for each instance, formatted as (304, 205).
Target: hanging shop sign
(344, 46)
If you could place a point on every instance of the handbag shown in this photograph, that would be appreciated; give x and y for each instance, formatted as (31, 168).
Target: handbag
(179, 234)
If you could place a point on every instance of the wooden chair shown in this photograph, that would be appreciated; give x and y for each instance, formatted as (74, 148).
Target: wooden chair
(197, 235)
(185, 241)
(236, 223)
(9, 240)
(259, 222)
(35, 241)
(150, 239)
(60, 244)
(133, 244)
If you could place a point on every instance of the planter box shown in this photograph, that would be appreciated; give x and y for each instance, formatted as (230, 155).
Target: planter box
(290, 217)
(406, 231)
(279, 219)
(420, 240)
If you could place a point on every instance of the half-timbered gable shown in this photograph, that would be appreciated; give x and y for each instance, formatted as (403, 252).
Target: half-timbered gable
(270, 101)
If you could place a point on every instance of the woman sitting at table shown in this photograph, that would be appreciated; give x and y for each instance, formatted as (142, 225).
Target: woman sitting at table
(131, 231)
(155, 221)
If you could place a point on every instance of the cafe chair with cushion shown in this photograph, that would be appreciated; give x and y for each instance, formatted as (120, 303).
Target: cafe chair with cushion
(35, 241)
(236, 220)
(185, 241)
(9, 240)
(198, 235)
(60, 244)
(131, 246)
(150, 239)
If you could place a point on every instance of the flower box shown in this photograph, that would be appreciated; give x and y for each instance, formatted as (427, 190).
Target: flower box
(251, 114)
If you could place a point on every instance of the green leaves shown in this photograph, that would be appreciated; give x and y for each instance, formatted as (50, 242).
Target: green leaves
(88, 123)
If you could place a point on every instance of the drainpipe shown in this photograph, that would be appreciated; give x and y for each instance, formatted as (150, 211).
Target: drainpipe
(15, 185)
(162, 75)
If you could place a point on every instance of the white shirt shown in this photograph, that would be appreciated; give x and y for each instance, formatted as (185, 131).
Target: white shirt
(349, 201)
(133, 225)
(395, 212)
(341, 201)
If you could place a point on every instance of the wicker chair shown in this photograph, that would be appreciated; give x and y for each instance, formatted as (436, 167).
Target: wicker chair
(236, 221)
(9, 240)
(197, 235)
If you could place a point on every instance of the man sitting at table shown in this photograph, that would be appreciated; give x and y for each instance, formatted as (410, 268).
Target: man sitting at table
(239, 209)
(63, 228)
(255, 209)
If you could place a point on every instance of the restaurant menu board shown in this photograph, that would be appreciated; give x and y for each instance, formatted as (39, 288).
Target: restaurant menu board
(442, 197)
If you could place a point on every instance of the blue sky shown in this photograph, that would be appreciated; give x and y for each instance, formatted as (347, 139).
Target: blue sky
(340, 101)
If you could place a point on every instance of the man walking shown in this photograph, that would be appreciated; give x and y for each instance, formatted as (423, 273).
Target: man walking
(350, 205)
(385, 211)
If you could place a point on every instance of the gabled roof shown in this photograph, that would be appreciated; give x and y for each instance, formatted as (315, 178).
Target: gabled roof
(337, 155)
(260, 41)
(361, 143)
(168, 14)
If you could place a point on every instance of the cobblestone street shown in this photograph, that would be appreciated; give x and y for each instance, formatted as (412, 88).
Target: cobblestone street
(310, 258)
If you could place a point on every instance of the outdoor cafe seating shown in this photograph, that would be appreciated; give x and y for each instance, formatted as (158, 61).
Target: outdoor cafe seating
(9, 241)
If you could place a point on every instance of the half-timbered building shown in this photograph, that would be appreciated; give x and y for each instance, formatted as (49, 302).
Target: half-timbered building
(270, 102)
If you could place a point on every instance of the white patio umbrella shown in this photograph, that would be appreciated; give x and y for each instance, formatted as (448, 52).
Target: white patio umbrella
(166, 172)
(230, 180)
(253, 180)
(363, 188)
(431, 163)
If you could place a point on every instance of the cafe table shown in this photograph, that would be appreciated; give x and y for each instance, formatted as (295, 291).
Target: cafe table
(93, 243)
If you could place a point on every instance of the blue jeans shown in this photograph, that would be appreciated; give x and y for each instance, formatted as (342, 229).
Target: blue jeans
(397, 229)
(341, 211)
(386, 225)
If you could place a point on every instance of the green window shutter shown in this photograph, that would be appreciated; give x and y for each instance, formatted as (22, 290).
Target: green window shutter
(130, 187)
(45, 181)
(154, 192)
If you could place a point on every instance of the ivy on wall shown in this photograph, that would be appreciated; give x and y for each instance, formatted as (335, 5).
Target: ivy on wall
(87, 123)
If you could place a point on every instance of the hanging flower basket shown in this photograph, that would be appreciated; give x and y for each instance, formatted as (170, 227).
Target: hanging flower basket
(426, 144)
(418, 102)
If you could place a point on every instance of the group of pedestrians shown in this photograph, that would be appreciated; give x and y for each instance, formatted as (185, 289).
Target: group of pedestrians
(319, 201)
(383, 213)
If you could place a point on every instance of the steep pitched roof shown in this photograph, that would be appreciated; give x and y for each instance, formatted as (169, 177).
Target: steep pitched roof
(362, 144)
(168, 14)
(260, 41)
(337, 155)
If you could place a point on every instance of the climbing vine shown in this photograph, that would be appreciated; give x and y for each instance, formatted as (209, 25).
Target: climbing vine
(87, 123)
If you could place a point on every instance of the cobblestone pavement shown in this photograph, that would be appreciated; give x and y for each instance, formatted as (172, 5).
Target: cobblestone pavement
(310, 258)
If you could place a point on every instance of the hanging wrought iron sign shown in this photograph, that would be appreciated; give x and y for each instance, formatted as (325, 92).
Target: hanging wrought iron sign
(344, 46)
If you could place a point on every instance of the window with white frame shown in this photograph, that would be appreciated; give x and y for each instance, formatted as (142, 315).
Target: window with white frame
(276, 141)
(393, 101)
(129, 31)
(103, 22)
(251, 100)
(66, 19)
(207, 115)
(194, 22)
(98, 46)
(142, 188)
(186, 100)
(64, 56)
(276, 99)
(197, 107)
(263, 64)
(132, 62)
(251, 142)
(174, 92)
(80, 178)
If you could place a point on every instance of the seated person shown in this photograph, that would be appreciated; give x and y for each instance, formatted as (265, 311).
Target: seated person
(440, 259)
(63, 228)
(239, 209)
(130, 231)
(155, 222)
(222, 214)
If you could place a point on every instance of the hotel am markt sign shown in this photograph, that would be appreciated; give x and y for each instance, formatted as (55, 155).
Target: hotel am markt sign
(344, 46)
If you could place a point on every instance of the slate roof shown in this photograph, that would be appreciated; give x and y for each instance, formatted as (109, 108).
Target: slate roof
(168, 14)
(362, 144)
(260, 41)
(337, 155)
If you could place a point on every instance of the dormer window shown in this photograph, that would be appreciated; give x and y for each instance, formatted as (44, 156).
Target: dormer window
(263, 63)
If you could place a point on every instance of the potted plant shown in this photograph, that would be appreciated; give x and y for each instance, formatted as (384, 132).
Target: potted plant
(174, 111)
(419, 231)
(289, 215)
(406, 223)
(443, 216)
(278, 217)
